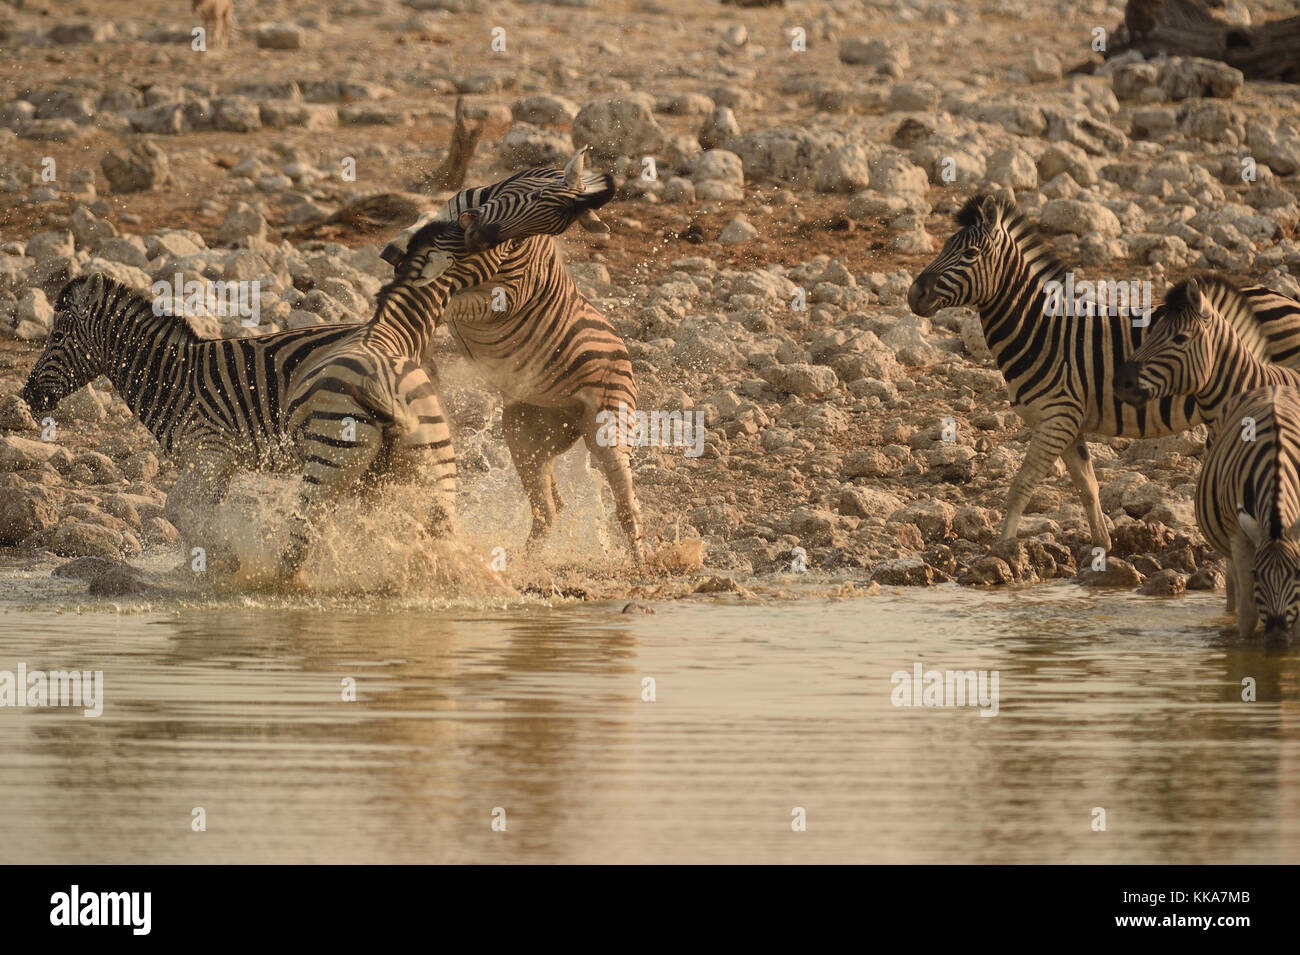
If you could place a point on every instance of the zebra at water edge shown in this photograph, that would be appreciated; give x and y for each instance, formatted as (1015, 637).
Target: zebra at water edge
(557, 360)
(1060, 369)
(219, 406)
(1248, 508)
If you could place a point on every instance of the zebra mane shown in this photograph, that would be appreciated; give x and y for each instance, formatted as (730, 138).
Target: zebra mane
(121, 297)
(1023, 232)
(1229, 303)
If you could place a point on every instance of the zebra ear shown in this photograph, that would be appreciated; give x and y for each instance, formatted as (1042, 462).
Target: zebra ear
(434, 266)
(573, 168)
(468, 218)
(1194, 295)
(1249, 526)
(991, 212)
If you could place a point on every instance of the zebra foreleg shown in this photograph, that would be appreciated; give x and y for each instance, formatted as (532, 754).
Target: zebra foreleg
(1079, 463)
(1049, 441)
(536, 436)
(1242, 560)
(425, 457)
(200, 488)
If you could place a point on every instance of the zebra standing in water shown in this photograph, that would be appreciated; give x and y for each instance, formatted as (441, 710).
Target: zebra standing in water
(1195, 347)
(1059, 369)
(1248, 508)
(214, 405)
(556, 359)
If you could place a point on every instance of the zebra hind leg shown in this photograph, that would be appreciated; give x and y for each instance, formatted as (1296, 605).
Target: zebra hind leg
(536, 436)
(1079, 463)
(613, 461)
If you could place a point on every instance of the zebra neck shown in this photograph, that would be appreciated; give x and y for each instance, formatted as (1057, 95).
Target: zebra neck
(1021, 297)
(406, 317)
(146, 354)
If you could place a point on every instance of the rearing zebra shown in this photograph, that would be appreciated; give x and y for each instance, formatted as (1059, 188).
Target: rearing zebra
(1194, 347)
(557, 360)
(1059, 369)
(1248, 508)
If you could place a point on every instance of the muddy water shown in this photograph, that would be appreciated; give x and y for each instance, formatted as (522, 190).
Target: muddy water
(1110, 701)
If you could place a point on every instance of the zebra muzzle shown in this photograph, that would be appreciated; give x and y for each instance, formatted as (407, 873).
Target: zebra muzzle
(1128, 384)
(919, 299)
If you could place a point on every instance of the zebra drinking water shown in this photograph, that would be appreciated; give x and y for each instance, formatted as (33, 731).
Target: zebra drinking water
(1248, 508)
(1059, 369)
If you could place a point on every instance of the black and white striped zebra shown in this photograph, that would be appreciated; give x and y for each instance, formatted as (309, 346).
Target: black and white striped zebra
(1059, 369)
(1248, 508)
(1195, 347)
(556, 359)
(216, 406)
(342, 404)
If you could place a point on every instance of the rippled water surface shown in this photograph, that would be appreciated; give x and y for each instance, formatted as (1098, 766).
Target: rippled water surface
(1115, 701)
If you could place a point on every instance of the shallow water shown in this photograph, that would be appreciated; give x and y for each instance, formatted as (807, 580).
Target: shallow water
(1107, 700)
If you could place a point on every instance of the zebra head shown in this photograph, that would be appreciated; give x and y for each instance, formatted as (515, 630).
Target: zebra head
(74, 353)
(436, 252)
(968, 268)
(1277, 576)
(1177, 355)
(542, 201)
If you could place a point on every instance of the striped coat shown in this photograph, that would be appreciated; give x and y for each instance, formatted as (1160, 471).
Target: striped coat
(1203, 343)
(1248, 508)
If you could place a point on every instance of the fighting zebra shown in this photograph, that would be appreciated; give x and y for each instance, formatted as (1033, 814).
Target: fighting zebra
(224, 405)
(556, 359)
(1058, 368)
(1194, 347)
(1248, 508)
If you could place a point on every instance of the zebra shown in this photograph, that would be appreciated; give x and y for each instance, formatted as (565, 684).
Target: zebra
(1248, 508)
(1059, 369)
(556, 359)
(1194, 347)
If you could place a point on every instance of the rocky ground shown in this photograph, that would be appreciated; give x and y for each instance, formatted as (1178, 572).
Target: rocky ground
(825, 176)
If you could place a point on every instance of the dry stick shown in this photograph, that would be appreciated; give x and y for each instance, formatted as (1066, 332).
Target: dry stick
(450, 176)
(1265, 51)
